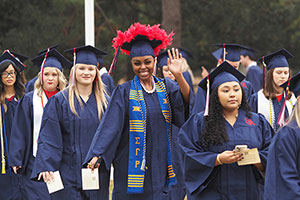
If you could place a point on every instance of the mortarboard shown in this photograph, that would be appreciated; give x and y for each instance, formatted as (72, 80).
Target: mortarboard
(50, 48)
(53, 59)
(86, 54)
(21, 57)
(7, 55)
(222, 74)
(162, 59)
(232, 51)
(140, 40)
(294, 84)
(276, 59)
(217, 53)
(185, 53)
(247, 51)
(163, 56)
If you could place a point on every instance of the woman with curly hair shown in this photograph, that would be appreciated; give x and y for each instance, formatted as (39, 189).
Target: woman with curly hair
(272, 101)
(11, 90)
(135, 133)
(208, 141)
(28, 117)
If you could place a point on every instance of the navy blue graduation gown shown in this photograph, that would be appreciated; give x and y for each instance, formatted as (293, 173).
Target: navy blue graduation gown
(178, 191)
(63, 143)
(188, 78)
(29, 86)
(9, 182)
(109, 82)
(21, 149)
(255, 77)
(203, 179)
(111, 141)
(283, 168)
(277, 108)
(200, 99)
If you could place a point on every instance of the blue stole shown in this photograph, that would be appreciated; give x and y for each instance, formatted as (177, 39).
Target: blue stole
(137, 134)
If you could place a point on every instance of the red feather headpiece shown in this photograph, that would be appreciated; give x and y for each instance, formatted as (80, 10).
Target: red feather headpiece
(157, 37)
(151, 32)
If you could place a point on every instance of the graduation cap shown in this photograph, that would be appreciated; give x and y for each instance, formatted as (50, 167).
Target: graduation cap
(217, 53)
(52, 59)
(86, 54)
(185, 53)
(162, 59)
(293, 84)
(276, 59)
(222, 74)
(163, 56)
(230, 52)
(247, 51)
(21, 57)
(140, 40)
(7, 55)
(50, 48)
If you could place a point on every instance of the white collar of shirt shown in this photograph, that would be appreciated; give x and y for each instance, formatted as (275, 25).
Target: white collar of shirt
(253, 63)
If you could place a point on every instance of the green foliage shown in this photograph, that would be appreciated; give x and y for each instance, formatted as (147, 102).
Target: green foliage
(29, 26)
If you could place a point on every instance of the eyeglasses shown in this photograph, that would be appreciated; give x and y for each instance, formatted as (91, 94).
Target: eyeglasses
(6, 74)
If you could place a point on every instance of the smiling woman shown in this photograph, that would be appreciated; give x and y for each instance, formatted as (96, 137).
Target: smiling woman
(11, 90)
(139, 141)
(69, 123)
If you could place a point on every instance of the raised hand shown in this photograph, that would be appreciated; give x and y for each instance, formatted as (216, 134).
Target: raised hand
(174, 62)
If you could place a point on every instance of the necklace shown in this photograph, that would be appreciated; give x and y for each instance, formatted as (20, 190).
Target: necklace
(144, 87)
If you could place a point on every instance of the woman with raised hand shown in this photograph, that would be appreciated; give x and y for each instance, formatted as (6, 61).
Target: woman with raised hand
(69, 123)
(272, 101)
(135, 133)
(28, 118)
(209, 141)
(11, 90)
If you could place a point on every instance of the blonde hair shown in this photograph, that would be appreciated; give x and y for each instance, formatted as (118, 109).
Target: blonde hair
(62, 82)
(296, 113)
(98, 88)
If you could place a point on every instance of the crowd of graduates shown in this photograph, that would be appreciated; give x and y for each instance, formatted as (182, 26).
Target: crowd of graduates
(163, 140)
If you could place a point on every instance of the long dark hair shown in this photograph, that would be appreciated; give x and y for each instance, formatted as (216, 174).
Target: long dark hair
(19, 86)
(214, 132)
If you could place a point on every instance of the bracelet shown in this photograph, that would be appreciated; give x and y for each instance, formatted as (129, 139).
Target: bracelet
(218, 159)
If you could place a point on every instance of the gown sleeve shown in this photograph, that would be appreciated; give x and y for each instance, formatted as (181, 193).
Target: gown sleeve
(50, 142)
(200, 101)
(252, 100)
(21, 133)
(108, 134)
(180, 109)
(188, 78)
(282, 174)
(267, 132)
(254, 76)
(199, 165)
(109, 83)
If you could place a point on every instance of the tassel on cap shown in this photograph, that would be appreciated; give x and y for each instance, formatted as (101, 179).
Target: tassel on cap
(43, 63)
(206, 113)
(281, 119)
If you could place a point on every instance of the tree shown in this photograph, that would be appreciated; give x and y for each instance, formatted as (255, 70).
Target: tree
(171, 19)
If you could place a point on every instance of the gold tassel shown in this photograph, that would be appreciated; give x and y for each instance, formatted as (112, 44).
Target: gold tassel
(3, 167)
